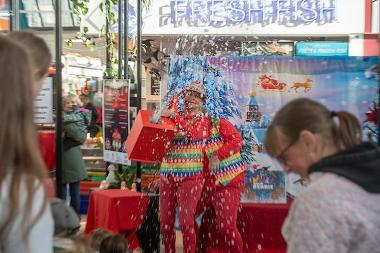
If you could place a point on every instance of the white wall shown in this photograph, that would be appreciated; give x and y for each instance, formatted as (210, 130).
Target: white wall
(376, 17)
(356, 46)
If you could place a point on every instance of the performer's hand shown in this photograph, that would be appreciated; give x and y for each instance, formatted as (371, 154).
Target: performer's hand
(214, 164)
(167, 113)
(154, 185)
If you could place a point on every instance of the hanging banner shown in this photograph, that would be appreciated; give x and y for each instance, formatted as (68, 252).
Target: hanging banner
(250, 90)
(115, 120)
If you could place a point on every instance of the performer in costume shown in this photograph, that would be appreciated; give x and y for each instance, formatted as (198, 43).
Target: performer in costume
(181, 178)
(198, 140)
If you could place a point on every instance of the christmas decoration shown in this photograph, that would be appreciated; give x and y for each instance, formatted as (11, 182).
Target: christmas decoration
(184, 71)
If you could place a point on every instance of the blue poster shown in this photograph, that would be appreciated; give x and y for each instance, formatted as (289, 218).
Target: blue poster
(264, 186)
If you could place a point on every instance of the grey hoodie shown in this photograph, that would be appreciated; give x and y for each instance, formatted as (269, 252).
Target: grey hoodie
(339, 211)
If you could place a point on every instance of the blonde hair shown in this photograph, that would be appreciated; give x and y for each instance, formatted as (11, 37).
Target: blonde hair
(73, 99)
(97, 236)
(37, 49)
(20, 158)
(342, 127)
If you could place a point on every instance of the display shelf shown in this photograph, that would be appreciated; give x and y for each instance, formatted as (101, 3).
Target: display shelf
(93, 159)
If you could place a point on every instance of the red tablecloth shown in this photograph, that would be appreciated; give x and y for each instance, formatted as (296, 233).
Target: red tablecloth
(116, 210)
(260, 226)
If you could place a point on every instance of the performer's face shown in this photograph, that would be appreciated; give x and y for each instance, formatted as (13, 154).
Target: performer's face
(193, 101)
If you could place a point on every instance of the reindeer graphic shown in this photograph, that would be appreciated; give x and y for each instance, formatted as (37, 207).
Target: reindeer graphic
(306, 85)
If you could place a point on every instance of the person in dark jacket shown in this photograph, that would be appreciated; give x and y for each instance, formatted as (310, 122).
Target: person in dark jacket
(87, 104)
(339, 210)
(74, 136)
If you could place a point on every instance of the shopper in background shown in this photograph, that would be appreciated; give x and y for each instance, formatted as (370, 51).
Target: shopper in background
(25, 217)
(87, 104)
(75, 134)
(339, 210)
(39, 55)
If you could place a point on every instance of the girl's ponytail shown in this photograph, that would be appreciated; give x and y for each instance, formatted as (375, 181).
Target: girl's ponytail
(346, 130)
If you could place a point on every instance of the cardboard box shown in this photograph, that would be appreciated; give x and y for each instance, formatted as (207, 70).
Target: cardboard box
(147, 142)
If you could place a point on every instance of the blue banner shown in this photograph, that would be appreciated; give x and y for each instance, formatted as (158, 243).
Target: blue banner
(322, 49)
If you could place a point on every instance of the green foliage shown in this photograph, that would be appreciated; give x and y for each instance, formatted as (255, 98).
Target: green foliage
(128, 174)
(80, 9)
(69, 43)
(150, 169)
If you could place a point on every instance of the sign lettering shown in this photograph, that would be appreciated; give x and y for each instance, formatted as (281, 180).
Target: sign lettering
(229, 12)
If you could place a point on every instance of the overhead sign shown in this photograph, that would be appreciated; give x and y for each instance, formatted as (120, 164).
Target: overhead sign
(248, 11)
(322, 49)
(279, 17)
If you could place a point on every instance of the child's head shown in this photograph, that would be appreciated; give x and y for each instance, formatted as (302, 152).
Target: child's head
(97, 236)
(70, 102)
(84, 98)
(304, 131)
(114, 244)
(39, 55)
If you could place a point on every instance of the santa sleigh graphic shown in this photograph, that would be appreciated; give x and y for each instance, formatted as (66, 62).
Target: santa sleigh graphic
(267, 82)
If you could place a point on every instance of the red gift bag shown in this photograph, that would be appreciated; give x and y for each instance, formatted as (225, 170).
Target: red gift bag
(147, 142)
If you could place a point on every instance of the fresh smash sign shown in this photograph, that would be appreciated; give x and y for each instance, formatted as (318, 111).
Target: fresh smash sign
(263, 12)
